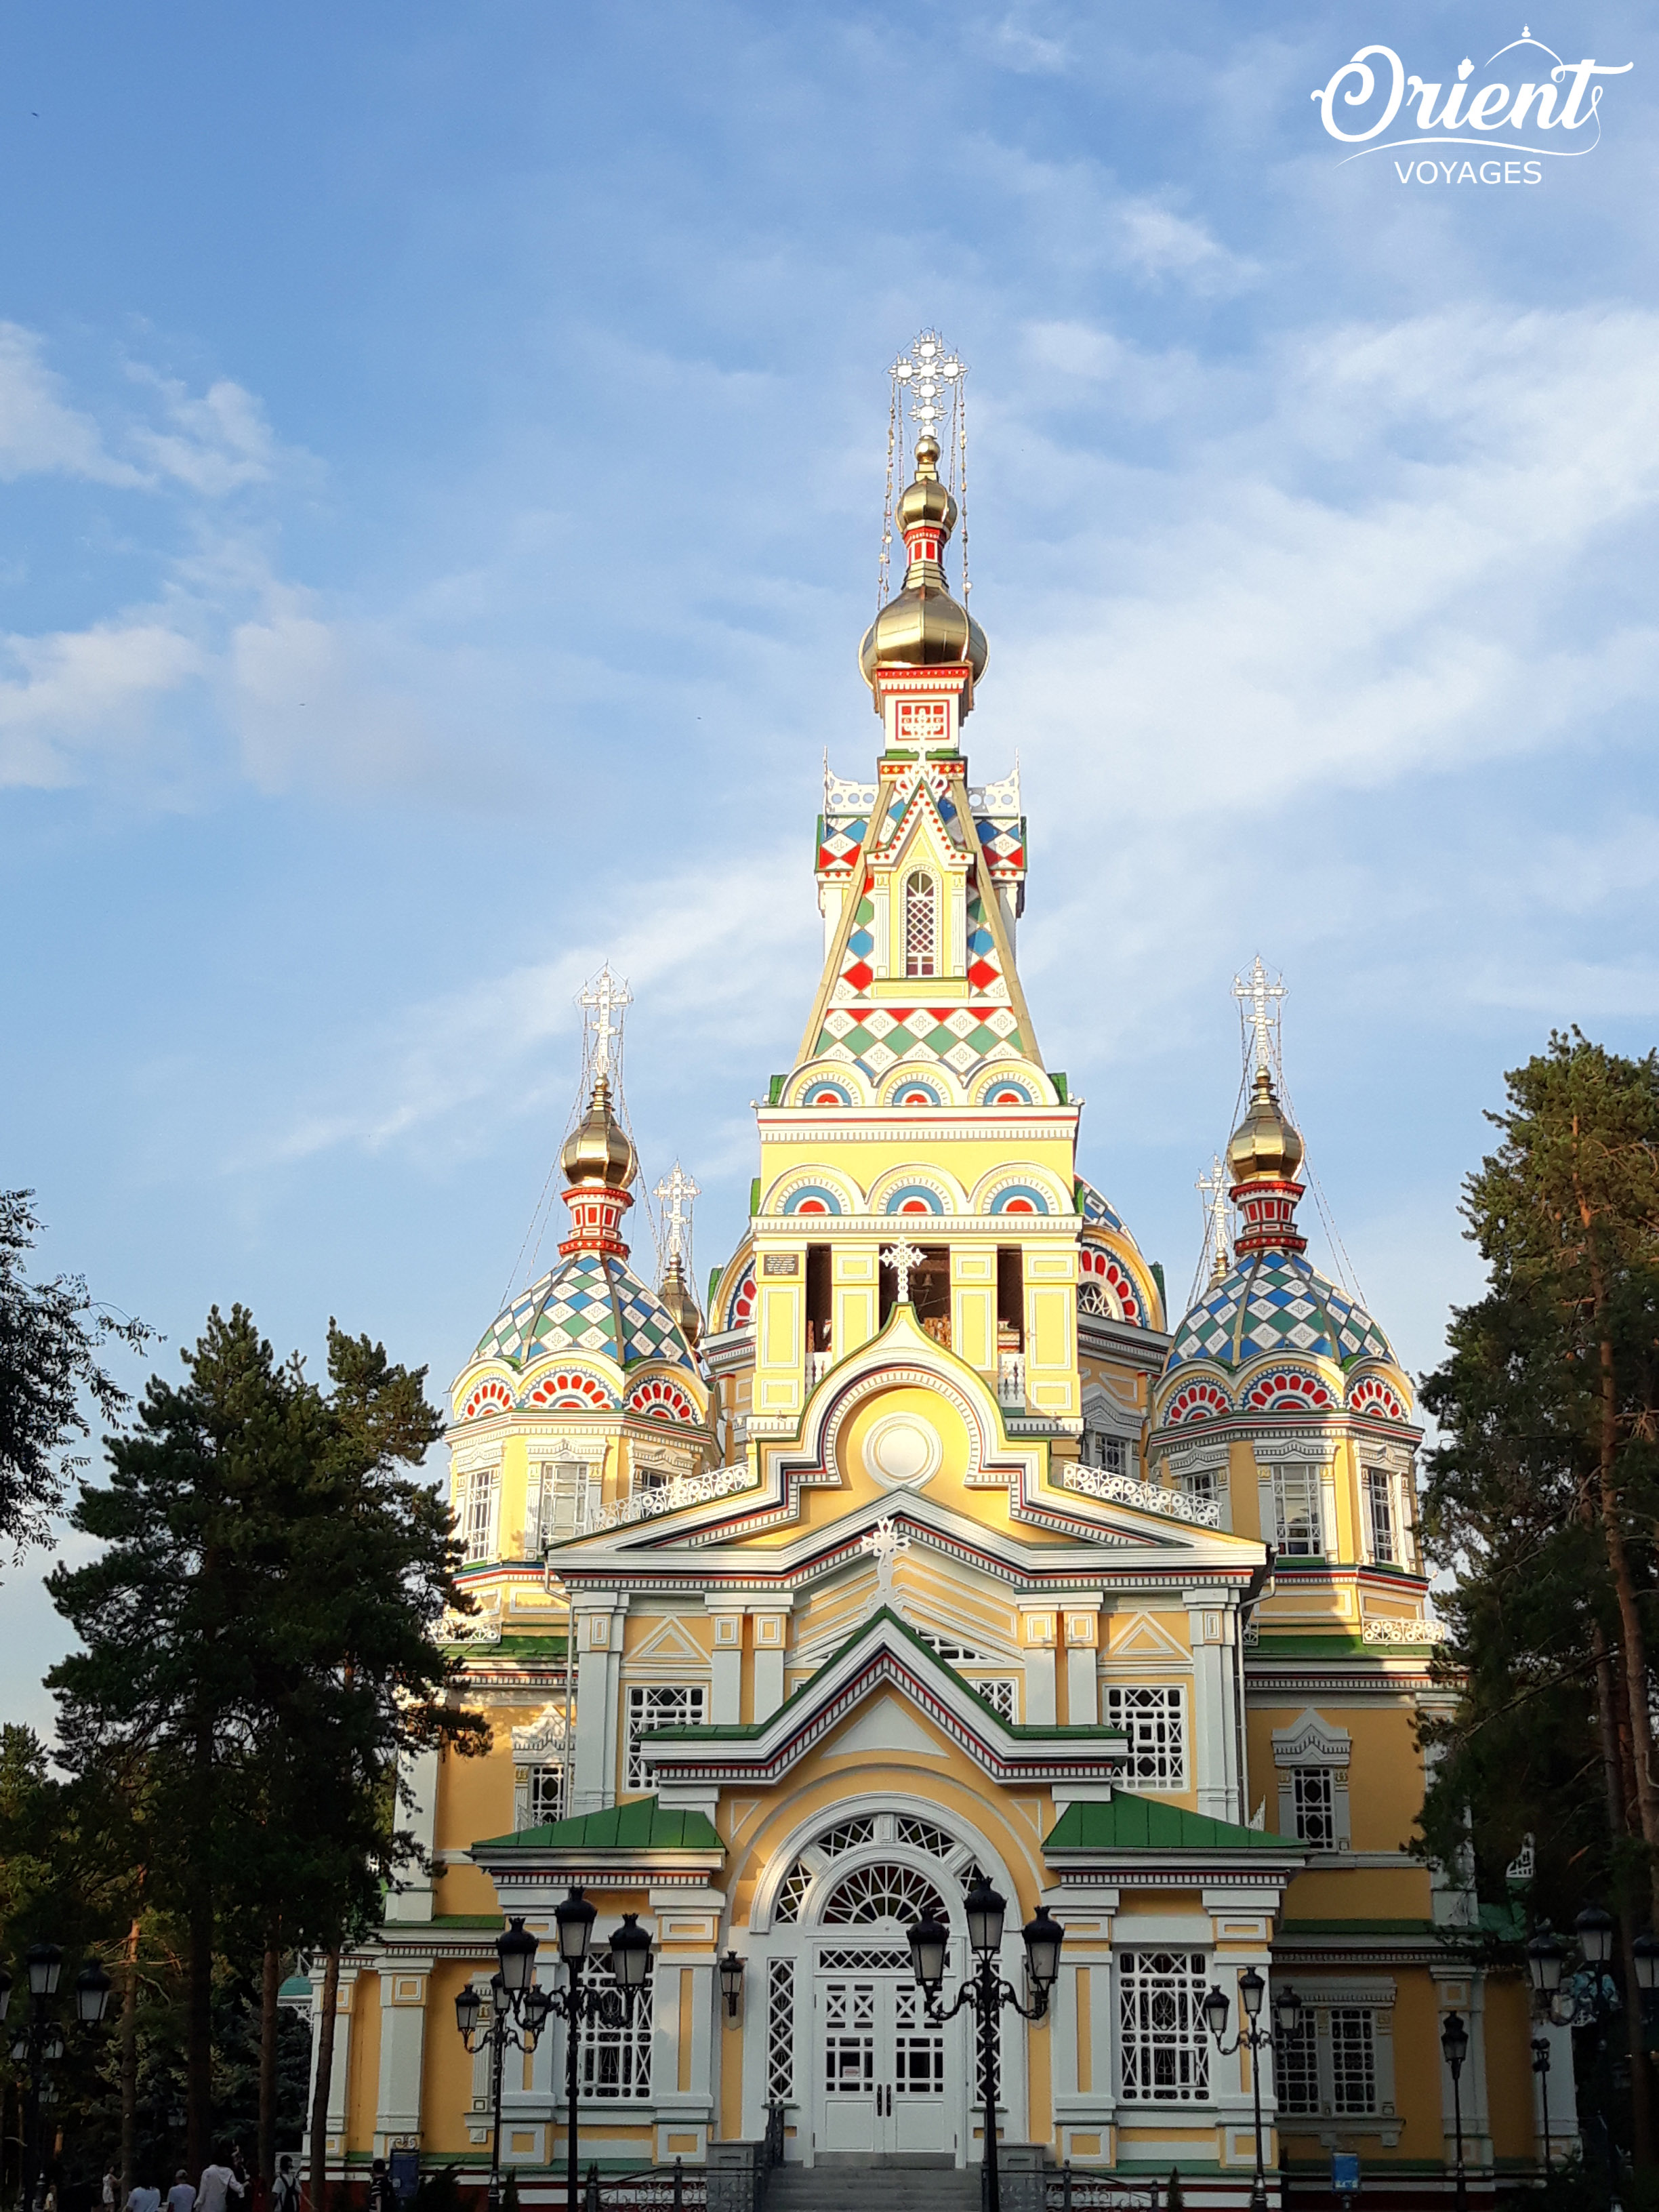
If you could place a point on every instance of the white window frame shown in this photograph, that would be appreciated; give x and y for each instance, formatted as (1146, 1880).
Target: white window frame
(563, 1493)
(1310, 1742)
(1145, 1710)
(1308, 1477)
(1143, 1974)
(1378, 1487)
(626, 2045)
(1313, 1796)
(482, 1512)
(648, 1708)
(920, 887)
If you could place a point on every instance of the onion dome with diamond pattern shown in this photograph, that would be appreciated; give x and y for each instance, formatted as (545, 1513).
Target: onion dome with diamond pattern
(922, 626)
(591, 1302)
(1274, 1302)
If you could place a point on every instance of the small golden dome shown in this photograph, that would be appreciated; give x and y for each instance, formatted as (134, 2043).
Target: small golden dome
(598, 1149)
(922, 626)
(1264, 1145)
(676, 1294)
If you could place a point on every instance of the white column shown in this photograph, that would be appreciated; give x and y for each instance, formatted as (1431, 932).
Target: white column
(411, 1895)
(770, 1633)
(1038, 1622)
(725, 1666)
(1083, 1663)
(402, 2033)
(1213, 1627)
(599, 1635)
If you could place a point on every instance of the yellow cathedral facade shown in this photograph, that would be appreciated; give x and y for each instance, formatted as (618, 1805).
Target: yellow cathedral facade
(934, 1545)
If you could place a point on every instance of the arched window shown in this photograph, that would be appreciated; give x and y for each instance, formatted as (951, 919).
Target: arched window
(920, 924)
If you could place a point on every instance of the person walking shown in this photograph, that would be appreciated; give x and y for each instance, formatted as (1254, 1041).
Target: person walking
(142, 2198)
(285, 2190)
(181, 2197)
(219, 2184)
(110, 2188)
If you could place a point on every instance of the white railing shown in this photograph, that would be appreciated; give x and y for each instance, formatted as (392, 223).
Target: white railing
(840, 797)
(672, 1497)
(1381, 1629)
(1146, 1496)
(995, 797)
(1010, 1379)
(483, 1628)
(818, 1364)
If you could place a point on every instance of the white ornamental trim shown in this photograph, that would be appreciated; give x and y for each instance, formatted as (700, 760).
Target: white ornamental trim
(1146, 1496)
(1275, 1450)
(1383, 1629)
(672, 1497)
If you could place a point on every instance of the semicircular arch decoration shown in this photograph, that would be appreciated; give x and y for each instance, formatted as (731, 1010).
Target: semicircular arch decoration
(660, 1400)
(1098, 1269)
(1372, 1395)
(1203, 1401)
(1289, 1390)
(884, 1890)
(914, 1198)
(571, 1386)
(1020, 1187)
(826, 1090)
(489, 1396)
(740, 1306)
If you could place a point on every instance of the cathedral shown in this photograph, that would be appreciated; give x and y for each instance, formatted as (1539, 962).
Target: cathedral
(932, 1548)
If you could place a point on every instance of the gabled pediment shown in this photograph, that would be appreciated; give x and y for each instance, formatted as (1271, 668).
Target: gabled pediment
(887, 1674)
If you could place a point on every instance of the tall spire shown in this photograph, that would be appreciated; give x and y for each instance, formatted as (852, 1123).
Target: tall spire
(598, 1156)
(1213, 1187)
(675, 1194)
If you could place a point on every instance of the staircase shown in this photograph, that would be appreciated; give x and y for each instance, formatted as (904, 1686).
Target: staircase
(903, 2184)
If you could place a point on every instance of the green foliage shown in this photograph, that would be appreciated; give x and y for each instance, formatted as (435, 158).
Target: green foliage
(1173, 2199)
(1542, 1493)
(440, 2190)
(510, 2191)
(49, 1333)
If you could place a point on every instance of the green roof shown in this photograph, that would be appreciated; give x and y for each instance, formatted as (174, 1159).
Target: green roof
(1127, 1823)
(1358, 1928)
(641, 1825)
(296, 1985)
(521, 1644)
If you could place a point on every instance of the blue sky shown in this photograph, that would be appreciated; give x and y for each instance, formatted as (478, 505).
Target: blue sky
(442, 452)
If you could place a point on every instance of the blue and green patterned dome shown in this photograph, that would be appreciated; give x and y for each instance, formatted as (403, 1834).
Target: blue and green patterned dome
(589, 1302)
(1273, 1302)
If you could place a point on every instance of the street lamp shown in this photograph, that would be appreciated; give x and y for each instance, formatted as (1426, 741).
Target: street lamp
(1541, 2067)
(1594, 1931)
(731, 1982)
(518, 2014)
(1455, 2042)
(38, 2040)
(985, 1991)
(1287, 2022)
(631, 1967)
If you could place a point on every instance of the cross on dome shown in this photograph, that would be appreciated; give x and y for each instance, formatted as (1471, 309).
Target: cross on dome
(605, 995)
(929, 369)
(901, 1258)
(1258, 1002)
(675, 1194)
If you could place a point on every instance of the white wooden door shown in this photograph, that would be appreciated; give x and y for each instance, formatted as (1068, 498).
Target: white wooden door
(882, 2068)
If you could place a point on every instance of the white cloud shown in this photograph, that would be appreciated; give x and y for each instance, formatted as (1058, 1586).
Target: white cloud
(85, 693)
(216, 444)
(40, 432)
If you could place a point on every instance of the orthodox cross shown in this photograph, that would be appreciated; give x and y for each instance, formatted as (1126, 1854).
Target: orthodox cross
(605, 995)
(885, 1542)
(901, 1258)
(1255, 992)
(1213, 1190)
(929, 369)
(675, 1194)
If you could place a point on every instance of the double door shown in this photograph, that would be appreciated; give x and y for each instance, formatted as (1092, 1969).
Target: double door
(883, 2077)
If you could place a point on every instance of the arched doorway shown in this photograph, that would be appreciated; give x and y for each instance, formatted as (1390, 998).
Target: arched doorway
(848, 2047)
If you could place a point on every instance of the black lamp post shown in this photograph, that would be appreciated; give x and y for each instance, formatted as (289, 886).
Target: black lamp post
(1455, 2042)
(518, 2014)
(630, 1963)
(985, 1992)
(1541, 2067)
(39, 2041)
(731, 1982)
(1287, 2021)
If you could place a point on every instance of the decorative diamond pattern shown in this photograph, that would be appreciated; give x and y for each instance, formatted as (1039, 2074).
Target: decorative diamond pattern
(1276, 1302)
(589, 1302)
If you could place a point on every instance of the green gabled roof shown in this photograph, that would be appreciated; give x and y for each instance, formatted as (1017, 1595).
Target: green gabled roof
(746, 1731)
(296, 1985)
(1141, 1824)
(641, 1825)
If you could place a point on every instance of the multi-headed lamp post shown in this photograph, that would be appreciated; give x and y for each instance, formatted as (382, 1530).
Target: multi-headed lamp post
(521, 2009)
(39, 2039)
(986, 1991)
(1287, 2019)
(1546, 1959)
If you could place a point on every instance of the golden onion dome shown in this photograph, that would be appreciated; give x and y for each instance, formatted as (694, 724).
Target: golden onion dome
(676, 1294)
(922, 626)
(1264, 1145)
(598, 1149)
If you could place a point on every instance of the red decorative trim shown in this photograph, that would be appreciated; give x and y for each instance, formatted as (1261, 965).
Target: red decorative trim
(1199, 1402)
(1372, 1396)
(570, 1386)
(662, 1401)
(1092, 1260)
(1288, 1389)
(490, 1397)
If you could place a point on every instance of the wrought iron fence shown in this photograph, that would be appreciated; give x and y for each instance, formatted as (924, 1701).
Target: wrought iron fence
(1065, 2192)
